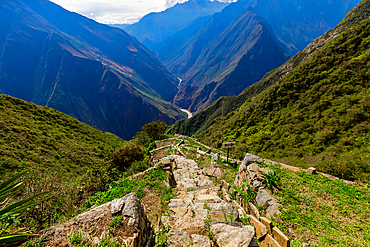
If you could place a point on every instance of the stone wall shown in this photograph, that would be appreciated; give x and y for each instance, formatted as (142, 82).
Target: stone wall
(95, 225)
(249, 172)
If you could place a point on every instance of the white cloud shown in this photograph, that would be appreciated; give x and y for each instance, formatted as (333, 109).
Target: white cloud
(117, 11)
(170, 3)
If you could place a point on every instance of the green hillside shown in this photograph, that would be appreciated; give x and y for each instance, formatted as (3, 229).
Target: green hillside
(225, 105)
(35, 136)
(66, 158)
(317, 115)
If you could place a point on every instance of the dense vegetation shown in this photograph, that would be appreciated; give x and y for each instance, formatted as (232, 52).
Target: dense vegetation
(65, 157)
(67, 160)
(317, 115)
(40, 137)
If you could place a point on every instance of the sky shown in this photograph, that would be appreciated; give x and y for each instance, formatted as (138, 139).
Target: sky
(117, 11)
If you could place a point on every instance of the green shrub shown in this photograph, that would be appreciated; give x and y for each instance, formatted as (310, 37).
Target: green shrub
(151, 132)
(123, 158)
(10, 211)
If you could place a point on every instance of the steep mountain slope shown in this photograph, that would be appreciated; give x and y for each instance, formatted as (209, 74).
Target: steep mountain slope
(304, 22)
(169, 46)
(316, 115)
(93, 72)
(298, 22)
(155, 27)
(186, 51)
(240, 56)
(225, 105)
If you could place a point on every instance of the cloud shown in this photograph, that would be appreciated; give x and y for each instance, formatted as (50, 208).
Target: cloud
(171, 3)
(113, 11)
(118, 11)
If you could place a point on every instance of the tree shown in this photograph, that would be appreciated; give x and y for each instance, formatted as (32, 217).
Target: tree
(151, 132)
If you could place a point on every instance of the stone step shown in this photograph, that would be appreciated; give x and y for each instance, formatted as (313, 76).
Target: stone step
(217, 211)
(201, 190)
(186, 163)
(207, 198)
(179, 203)
(184, 239)
(197, 201)
(186, 224)
(186, 177)
(187, 196)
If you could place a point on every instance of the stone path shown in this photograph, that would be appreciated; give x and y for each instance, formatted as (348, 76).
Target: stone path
(198, 216)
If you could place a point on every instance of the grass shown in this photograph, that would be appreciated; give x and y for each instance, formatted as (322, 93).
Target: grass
(322, 211)
(315, 116)
(193, 144)
(38, 137)
(153, 181)
(66, 159)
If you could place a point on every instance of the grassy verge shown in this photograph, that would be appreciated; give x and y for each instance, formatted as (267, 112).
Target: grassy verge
(322, 211)
(150, 188)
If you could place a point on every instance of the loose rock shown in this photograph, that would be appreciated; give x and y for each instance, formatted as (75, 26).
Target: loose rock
(230, 236)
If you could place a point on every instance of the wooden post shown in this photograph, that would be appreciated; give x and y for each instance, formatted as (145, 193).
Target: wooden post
(228, 145)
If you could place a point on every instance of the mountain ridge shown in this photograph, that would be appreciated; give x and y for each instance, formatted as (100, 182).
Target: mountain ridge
(317, 114)
(243, 61)
(225, 105)
(187, 61)
(91, 71)
(153, 28)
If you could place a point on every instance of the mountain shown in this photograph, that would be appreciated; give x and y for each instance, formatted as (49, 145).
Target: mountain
(185, 52)
(121, 26)
(93, 72)
(156, 27)
(293, 32)
(318, 114)
(234, 60)
(225, 105)
(298, 22)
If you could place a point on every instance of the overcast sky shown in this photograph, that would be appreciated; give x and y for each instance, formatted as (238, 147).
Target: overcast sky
(117, 11)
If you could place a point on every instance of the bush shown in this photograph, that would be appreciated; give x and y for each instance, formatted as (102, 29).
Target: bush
(123, 158)
(151, 132)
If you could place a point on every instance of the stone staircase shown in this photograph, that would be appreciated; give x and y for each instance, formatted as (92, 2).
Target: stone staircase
(198, 216)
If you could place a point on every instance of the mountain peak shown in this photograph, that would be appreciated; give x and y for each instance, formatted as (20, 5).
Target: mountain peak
(155, 27)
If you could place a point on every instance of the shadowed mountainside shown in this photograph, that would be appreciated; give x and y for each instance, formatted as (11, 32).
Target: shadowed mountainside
(225, 105)
(202, 58)
(93, 72)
